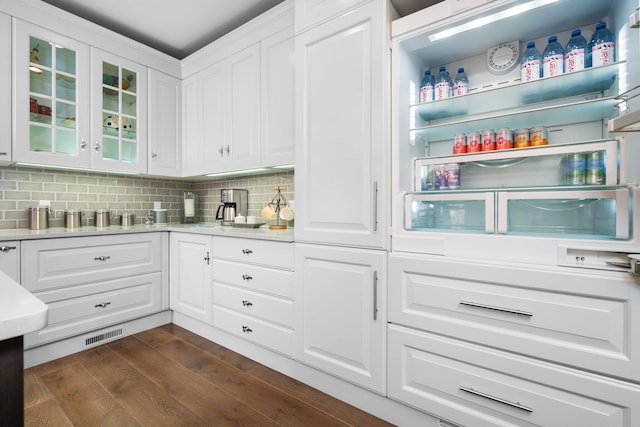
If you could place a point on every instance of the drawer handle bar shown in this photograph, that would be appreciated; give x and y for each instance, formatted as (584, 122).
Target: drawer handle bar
(502, 309)
(246, 329)
(102, 305)
(247, 251)
(246, 277)
(516, 405)
(102, 258)
(247, 303)
(6, 248)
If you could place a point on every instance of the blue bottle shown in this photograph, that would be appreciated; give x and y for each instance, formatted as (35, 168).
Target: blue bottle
(461, 83)
(426, 87)
(553, 58)
(443, 84)
(602, 46)
(530, 64)
(575, 54)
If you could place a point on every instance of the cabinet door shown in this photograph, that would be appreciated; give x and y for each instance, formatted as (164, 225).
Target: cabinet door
(191, 135)
(191, 276)
(165, 137)
(340, 315)
(5, 78)
(10, 259)
(277, 142)
(213, 114)
(119, 113)
(341, 151)
(242, 147)
(50, 98)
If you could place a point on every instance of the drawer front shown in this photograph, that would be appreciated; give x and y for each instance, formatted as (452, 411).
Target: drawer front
(260, 252)
(588, 321)
(100, 305)
(477, 386)
(266, 307)
(55, 263)
(260, 332)
(256, 278)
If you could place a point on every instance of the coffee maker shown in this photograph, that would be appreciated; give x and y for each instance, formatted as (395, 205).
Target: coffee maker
(235, 202)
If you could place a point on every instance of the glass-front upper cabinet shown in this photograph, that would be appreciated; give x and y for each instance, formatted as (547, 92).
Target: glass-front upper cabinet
(119, 127)
(51, 97)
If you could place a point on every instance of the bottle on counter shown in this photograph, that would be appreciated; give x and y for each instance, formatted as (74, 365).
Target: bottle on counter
(575, 54)
(553, 58)
(461, 83)
(530, 64)
(602, 46)
(443, 84)
(426, 87)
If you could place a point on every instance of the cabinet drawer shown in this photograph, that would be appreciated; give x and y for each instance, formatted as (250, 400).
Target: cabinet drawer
(477, 386)
(96, 306)
(261, 279)
(261, 252)
(55, 263)
(260, 332)
(589, 321)
(266, 307)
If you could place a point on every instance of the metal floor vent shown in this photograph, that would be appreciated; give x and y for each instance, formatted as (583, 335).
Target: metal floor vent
(105, 336)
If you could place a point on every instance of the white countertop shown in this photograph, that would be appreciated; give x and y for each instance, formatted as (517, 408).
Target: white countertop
(20, 311)
(213, 229)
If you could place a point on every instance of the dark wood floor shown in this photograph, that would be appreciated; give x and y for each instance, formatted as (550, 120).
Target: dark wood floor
(169, 376)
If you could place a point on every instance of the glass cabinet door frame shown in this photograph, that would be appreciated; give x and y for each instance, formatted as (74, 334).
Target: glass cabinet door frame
(23, 56)
(487, 197)
(139, 92)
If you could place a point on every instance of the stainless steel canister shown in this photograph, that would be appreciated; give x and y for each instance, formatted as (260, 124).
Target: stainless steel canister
(38, 217)
(102, 218)
(72, 218)
(127, 219)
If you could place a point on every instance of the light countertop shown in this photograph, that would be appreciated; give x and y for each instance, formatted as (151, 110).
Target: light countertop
(213, 229)
(20, 311)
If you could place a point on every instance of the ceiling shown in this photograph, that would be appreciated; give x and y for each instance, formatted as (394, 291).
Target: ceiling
(179, 28)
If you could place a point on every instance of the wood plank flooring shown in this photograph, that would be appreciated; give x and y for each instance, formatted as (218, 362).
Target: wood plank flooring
(168, 376)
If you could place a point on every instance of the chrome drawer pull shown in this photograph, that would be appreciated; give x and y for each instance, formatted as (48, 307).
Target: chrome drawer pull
(247, 251)
(102, 305)
(102, 258)
(6, 248)
(246, 329)
(516, 405)
(502, 309)
(247, 303)
(246, 277)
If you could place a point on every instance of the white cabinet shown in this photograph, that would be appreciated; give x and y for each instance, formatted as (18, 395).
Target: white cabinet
(313, 12)
(277, 100)
(340, 312)
(253, 291)
(5, 78)
(192, 148)
(190, 275)
(10, 259)
(212, 114)
(165, 124)
(341, 134)
(119, 113)
(94, 282)
(51, 97)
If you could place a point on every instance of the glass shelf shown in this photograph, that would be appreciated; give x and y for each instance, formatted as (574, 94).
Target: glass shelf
(514, 95)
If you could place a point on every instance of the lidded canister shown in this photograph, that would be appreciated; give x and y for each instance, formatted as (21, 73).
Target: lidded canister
(72, 218)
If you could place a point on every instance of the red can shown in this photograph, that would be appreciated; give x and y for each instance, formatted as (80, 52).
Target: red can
(460, 144)
(504, 139)
(488, 140)
(474, 143)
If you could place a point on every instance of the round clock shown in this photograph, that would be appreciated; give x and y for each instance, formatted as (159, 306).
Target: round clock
(503, 58)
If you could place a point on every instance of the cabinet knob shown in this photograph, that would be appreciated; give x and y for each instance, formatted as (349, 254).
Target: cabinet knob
(247, 303)
(6, 248)
(221, 151)
(154, 154)
(102, 305)
(246, 329)
(83, 145)
(247, 251)
(207, 258)
(102, 258)
(246, 277)
(96, 146)
(227, 149)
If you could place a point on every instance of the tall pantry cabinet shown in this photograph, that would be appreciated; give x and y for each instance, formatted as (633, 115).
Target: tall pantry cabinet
(341, 178)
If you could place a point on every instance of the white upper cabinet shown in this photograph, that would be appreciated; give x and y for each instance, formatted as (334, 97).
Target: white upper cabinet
(277, 134)
(119, 113)
(5, 78)
(50, 98)
(313, 12)
(191, 127)
(211, 102)
(165, 147)
(341, 131)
